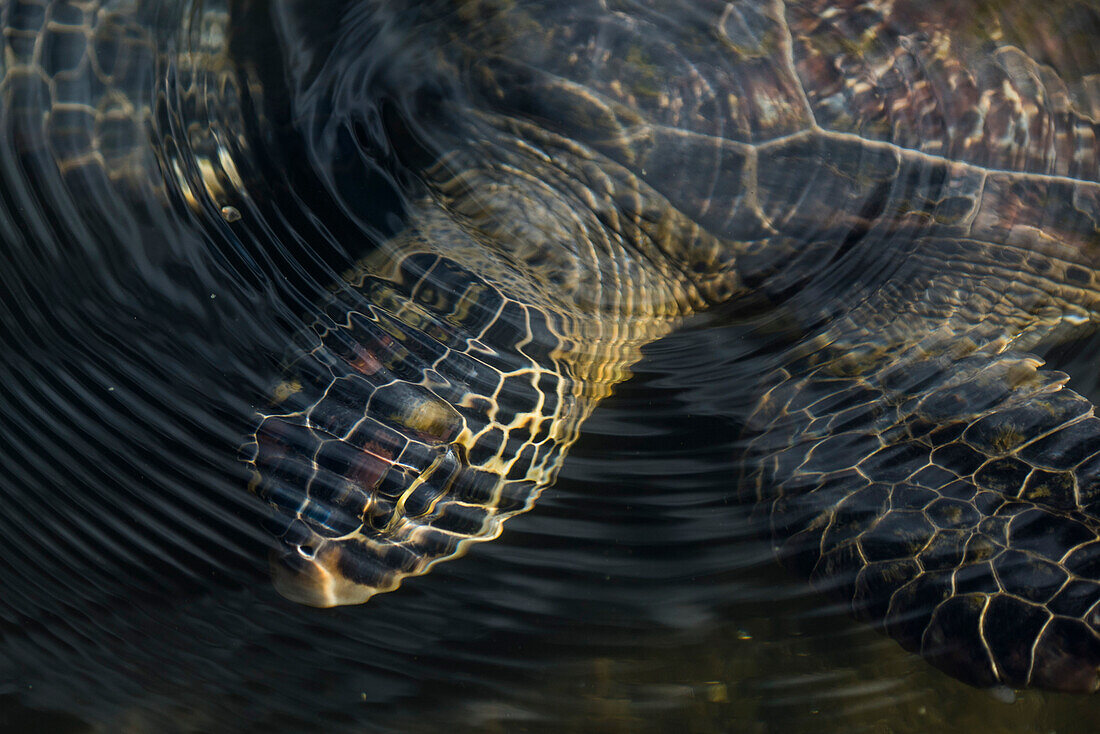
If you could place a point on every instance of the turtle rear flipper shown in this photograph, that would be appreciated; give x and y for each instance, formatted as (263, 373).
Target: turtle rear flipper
(950, 500)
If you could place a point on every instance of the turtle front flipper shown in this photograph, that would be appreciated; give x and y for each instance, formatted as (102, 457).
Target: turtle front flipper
(951, 500)
(433, 402)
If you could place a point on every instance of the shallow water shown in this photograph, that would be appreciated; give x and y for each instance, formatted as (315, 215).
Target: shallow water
(149, 299)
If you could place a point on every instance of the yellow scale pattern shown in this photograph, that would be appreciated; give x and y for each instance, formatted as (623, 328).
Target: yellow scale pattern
(474, 428)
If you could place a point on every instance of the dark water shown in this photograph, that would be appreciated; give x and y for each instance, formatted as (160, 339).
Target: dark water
(148, 298)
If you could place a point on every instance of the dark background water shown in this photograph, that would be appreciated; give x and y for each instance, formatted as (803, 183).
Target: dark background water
(139, 335)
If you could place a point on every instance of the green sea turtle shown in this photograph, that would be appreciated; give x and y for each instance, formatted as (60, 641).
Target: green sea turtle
(912, 184)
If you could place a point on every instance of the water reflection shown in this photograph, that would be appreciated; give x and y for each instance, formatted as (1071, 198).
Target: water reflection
(208, 172)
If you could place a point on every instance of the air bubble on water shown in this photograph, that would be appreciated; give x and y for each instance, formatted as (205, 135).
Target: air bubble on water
(1004, 694)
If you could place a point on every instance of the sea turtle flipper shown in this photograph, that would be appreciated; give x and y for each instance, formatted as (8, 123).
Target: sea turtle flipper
(434, 400)
(952, 500)
(428, 409)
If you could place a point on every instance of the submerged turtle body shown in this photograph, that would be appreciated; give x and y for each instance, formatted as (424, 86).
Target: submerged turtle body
(597, 172)
(616, 169)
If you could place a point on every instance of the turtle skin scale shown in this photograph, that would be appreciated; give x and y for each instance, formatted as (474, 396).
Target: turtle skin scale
(600, 171)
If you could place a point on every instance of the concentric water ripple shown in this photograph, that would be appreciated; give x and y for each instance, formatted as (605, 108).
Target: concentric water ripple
(186, 187)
